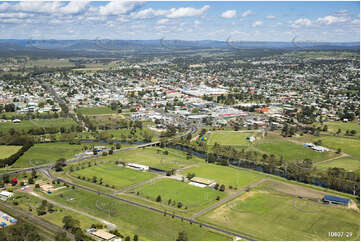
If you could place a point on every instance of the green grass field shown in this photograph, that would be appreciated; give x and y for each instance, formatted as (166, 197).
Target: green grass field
(115, 119)
(26, 125)
(95, 110)
(131, 219)
(293, 152)
(225, 175)
(27, 201)
(347, 163)
(178, 191)
(265, 214)
(332, 127)
(347, 145)
(8, 150)
(150, 157)
(120, 134)
(114, 175)
(229, 138)
(41, 154)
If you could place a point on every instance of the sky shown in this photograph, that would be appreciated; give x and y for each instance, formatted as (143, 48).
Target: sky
(199, 20)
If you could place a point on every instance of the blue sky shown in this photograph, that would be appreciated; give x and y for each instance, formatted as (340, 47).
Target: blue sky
(238, 21)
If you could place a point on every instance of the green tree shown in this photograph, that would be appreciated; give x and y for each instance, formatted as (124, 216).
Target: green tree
(182, 236)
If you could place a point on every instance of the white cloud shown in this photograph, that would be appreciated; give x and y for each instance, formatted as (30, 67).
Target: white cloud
(148, 13)
(257, 23)
(163, 21)
(196, 22)
(246, 13)
(355, 21)
(15, 15)
(37, 7)
(187, 12)
(331, 20)
(119, 7)
(74, 7)
(15, 21)
(301, 22)
(229, 14)
(271, 17)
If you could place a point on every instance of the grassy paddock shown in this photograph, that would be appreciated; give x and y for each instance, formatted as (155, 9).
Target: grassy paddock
(151, 157)
(26, 125)
(188, 195)
(95, 110)
(114, 175)
(346, 163)
(267, 214)
(225, 175)
(293, 152)
(41, 154)
(8, 150)
(333, 127)
(349, 146)
(229, 138)
(27, 202)
(130, 219)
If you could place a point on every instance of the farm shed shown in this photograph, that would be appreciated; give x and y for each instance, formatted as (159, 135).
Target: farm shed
(202, 182)
(138, 167)
(102, 234)
(336, 200)
(5, 195)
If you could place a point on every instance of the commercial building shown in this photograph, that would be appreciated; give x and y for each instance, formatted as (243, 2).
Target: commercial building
(137, 167)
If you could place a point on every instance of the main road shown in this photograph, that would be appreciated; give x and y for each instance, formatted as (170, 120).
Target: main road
(192, 130)
(156, 210)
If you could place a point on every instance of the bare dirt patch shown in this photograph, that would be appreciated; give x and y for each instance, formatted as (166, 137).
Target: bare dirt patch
(245, 196)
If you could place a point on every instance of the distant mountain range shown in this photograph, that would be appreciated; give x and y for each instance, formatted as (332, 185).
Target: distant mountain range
(107, 47)
(107, 44)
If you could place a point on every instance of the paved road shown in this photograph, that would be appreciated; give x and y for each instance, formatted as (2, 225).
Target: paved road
(36, 220)
(156, 210)
(110, 225)
(227, 199)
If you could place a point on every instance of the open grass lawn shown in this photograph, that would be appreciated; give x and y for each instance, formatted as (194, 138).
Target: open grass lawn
(146, 224)
(125, 134)
(151, 157)
(332, 127)
(95, 110)
(189, 195)
(266, 214)
(229, 138)
(114, 175)
(26, 125)
(41, 154)
(13, 115)
(114, 119)
(347, 145)
(293, 152)
(347, 163)
(27, 201)
(225, 175)
(8, 150)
